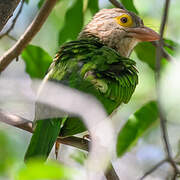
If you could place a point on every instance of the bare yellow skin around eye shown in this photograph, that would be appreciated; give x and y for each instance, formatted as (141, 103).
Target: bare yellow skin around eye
(129, 22)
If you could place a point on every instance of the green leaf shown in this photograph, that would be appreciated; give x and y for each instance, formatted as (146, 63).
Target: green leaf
(72, 126)
(7, 153)
(36, 169)
(170, 46)
(129, 5)
(37, 61)
(73, 22)
(93, 5)
(79, 157)
(26, 1)
(40, 3)
(135, 127)
(146, 52)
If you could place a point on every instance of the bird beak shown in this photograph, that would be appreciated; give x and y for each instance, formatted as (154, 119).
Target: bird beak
(143, 34)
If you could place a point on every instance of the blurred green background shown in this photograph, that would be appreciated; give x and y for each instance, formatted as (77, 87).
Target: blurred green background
(149, 148)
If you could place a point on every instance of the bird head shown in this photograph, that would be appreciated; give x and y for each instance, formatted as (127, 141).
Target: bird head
(118, 29)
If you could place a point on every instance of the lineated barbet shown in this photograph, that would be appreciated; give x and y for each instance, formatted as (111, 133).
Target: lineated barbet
(97, 63)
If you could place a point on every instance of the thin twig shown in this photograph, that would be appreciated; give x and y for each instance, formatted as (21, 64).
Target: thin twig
(160, 53)
(111, 173)
(11, 37)
(154, 168)
(158, 70)
(117, 4)
(77, 142)
(164, 53)
(31, 31)
(16, 121)
(158, 73)
(14, 21)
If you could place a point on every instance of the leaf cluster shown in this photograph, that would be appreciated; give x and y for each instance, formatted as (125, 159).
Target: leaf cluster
(37, 62)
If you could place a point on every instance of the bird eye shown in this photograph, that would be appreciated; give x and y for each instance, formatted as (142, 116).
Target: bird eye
(124, 20)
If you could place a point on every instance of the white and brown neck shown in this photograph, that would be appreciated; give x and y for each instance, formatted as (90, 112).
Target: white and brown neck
(112, 37)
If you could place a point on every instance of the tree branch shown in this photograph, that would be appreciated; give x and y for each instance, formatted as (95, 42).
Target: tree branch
(164, 53)
(117, 4)
(7, 8)
(16, 121)
(76, 142)
(14, 21)
(153, 169)
(31, 31)
(158, 73)
(159, 55)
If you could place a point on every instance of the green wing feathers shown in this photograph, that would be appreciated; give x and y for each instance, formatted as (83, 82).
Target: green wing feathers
(91, 67)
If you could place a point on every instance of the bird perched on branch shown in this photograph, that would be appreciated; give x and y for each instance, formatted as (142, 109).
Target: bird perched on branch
(97, 63)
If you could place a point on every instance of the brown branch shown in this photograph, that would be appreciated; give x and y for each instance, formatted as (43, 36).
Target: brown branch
(159, 54)
(162, 117)
(154, 168)
(7, 8)
(14, 21)
(111, 173)
(117, 4)
(164, 53)
(16, 121)
(77, 142)
(31, 31)
(158, 71)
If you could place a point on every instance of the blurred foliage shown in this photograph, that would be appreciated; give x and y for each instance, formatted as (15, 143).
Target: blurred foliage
(171, 47)
(7, 154)
(79, 157)
(40, 3)
(135, 127)
(36, 58)
(26, 1)
(129, 4)
(93, 6)
(67, 20)
(73, 22)
(146, 51)
(37, 169)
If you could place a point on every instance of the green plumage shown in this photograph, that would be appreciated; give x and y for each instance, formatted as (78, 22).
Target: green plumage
(91, 67)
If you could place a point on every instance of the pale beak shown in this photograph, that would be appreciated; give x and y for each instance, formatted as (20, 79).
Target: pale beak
(143, 34)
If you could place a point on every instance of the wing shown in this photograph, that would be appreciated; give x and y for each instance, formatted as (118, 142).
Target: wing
(91, 67)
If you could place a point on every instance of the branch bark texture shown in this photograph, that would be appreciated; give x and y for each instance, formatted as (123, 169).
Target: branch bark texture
(7, 8)
(31, 31)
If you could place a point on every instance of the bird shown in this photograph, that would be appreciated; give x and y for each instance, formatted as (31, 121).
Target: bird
(97, 63)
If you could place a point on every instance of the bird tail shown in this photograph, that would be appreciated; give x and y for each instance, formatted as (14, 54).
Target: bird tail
(43, 138)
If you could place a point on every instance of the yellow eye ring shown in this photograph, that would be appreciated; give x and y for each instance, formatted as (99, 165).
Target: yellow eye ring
(124, 20)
